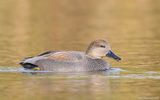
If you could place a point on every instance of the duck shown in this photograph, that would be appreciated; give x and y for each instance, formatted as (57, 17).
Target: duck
(73, 61)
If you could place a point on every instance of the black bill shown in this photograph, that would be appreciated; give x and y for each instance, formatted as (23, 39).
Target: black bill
(112, 55)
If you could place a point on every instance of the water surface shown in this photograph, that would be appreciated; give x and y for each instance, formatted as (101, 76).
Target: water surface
(30, 27)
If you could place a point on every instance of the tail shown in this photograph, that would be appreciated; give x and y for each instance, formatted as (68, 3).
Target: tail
(28, 66)
(28, 63)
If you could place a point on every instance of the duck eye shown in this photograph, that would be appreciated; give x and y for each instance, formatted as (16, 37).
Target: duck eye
(102, 46)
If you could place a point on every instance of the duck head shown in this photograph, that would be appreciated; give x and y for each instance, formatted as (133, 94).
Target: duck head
(99, 49)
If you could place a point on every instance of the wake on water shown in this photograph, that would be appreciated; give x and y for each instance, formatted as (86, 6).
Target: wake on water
(112, 73)
(20, 69)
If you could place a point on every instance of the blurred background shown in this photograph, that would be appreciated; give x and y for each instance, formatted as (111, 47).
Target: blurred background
(30, 27)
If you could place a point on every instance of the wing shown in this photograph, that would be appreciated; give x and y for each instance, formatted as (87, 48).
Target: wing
(34, 58)
(60, 61)
(57, 56)
(65, 56)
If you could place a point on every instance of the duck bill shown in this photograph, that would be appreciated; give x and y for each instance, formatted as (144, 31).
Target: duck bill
(112, 55)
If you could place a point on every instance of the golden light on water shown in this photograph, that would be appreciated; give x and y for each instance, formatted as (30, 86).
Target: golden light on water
(132, 27)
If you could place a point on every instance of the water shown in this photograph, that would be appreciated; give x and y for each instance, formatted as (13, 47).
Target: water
(30, 27)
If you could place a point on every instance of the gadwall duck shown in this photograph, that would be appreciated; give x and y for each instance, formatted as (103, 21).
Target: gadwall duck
(73, 61)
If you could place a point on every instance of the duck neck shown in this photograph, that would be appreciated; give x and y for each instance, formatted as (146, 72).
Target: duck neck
(93, 55)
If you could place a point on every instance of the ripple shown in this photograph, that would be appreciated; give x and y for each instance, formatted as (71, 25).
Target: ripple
(112, 73)
(15, 69)
(135, 76)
